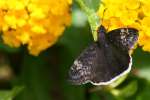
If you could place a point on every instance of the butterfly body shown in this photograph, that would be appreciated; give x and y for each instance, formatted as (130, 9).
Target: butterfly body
(106, 60)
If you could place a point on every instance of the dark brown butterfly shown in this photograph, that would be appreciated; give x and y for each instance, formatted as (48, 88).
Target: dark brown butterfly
(107, 59)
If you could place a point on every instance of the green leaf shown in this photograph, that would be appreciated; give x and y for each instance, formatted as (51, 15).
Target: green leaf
(144, 94)
(141, 59)
(118, 81)
(9, 95)
(126, 91)
(144, 72)
(35, 77)
(93, 4)
(93, 18)
(7, 48)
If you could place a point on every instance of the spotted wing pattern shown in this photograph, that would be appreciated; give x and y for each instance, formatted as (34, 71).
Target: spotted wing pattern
(99, 65)
(81, 70)
(105, 61)
(123, 38)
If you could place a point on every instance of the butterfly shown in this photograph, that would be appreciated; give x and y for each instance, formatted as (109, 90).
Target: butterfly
(105, 60)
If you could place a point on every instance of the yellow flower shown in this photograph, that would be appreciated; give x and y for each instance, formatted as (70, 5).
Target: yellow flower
(128, 13)
(36, 23)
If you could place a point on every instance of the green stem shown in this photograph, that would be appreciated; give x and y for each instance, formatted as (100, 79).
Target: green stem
(93, 19)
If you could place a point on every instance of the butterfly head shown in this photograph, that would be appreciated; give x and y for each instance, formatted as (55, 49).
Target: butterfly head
(101, 29)
(101, 34)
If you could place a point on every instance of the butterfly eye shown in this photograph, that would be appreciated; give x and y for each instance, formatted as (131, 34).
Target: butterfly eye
(133, 31)
(130, 38)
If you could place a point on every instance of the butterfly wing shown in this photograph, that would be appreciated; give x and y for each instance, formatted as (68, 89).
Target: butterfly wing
(123, 38)
(103, 64)
(81, 70)
(111, 64)
(99, 65)
(116, 60)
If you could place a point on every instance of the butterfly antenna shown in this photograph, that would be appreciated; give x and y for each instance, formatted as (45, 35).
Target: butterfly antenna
(103, 18)
(103, 15)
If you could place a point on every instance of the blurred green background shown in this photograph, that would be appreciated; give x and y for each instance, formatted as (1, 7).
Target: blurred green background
(25, 77)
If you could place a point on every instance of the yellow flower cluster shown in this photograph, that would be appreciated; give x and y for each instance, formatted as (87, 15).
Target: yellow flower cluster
(128, 13)
(36, 23)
